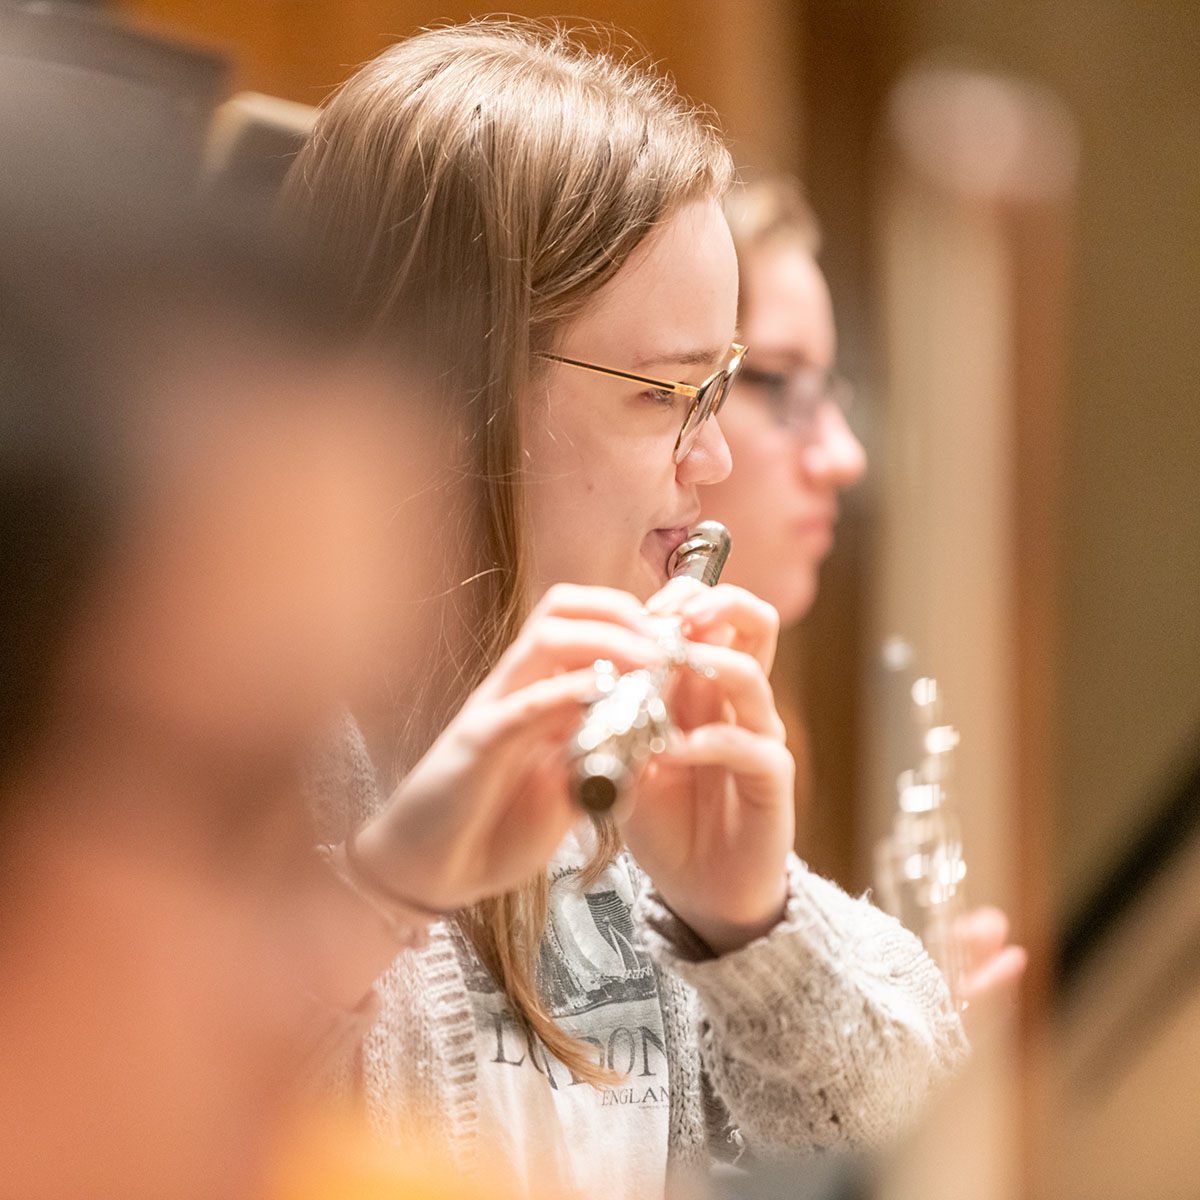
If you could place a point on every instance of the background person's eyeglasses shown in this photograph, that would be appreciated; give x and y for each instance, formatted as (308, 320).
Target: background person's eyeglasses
(706, 399)
(795, 398)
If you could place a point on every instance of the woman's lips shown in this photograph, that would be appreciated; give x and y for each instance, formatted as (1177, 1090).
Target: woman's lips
(660, 544)
(816, 531)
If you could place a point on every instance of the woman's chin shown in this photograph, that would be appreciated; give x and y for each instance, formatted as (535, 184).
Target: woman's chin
(791, 594)
(649, 577)
(646, 586)
(794, 601)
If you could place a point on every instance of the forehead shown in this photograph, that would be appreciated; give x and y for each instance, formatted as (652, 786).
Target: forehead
(786, 307)
(674, 300)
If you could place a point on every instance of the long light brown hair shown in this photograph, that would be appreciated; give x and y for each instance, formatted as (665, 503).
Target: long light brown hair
(481, 183)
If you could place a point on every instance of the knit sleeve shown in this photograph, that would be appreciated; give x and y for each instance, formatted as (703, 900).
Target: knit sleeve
(340, 783)
(828, 1033)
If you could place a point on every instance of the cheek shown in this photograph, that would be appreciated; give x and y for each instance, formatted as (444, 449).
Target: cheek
(559, 443)
(600, 477)
(591, 521)
(564, 476)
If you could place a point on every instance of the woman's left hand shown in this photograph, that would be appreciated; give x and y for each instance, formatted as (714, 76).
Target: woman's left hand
(713, 818)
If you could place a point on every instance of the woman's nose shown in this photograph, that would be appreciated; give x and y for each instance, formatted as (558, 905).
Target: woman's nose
(833, 454)
(709, 460)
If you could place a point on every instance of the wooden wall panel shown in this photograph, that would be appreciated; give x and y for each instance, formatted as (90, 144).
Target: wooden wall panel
(738, 58)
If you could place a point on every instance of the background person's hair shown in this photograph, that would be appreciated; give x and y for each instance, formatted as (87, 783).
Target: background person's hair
(766, 210)
(481, 183)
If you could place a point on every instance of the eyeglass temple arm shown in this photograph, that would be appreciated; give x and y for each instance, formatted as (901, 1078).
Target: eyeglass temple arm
(682, 389)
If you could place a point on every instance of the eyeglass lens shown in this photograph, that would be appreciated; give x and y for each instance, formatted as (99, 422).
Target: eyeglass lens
(707, 402)
(796, 398)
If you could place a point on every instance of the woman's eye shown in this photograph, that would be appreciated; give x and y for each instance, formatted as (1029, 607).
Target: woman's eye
(662, 396)
(774, 382)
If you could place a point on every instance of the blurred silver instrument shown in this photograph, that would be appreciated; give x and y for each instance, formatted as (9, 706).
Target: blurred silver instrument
(628, 720)
(919, 867)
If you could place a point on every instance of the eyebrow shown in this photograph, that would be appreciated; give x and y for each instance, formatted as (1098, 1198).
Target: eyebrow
(683, 358)
(791, 359)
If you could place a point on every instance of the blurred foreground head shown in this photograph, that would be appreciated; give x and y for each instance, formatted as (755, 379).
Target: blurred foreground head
(197, 481)
(792, 449)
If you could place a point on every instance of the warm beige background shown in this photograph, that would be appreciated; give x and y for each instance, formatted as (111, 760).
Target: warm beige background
(733, 55)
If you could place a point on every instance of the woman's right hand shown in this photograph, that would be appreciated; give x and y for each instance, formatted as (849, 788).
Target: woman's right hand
(488, 803)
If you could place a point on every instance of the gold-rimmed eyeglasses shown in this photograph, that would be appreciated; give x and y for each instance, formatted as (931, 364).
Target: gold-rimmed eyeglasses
(706, 398)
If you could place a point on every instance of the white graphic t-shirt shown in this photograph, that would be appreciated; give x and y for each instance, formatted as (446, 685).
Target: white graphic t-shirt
(564, 1137)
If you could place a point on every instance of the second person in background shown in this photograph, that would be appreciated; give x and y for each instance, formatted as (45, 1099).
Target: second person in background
(547, 221)
(795, 453)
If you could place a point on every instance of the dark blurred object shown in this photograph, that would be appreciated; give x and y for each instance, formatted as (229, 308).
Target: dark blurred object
(85, 100)
(1127, 1031)
(829, 1177)
(1129, 960)
(57, 492)
(1153, 852)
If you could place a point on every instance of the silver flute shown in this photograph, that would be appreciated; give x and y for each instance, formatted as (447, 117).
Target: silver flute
(920, 872)
(628, 720)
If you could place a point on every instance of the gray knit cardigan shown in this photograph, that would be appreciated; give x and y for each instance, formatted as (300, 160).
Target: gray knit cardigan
(828, 1033)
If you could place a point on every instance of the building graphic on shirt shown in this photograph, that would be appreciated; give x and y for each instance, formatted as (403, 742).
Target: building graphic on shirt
(590, 956)
(597, 980)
